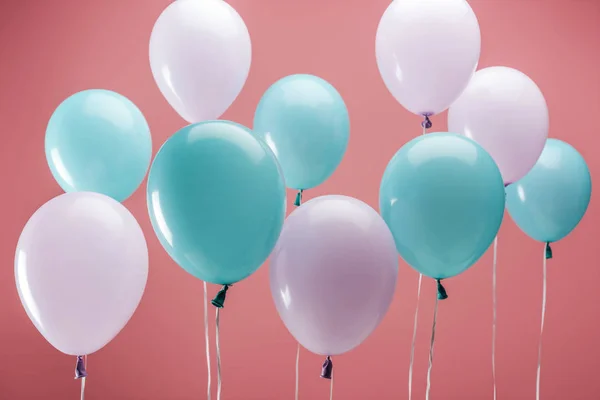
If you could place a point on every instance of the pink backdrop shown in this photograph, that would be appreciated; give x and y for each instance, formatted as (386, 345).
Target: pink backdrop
(51, 49)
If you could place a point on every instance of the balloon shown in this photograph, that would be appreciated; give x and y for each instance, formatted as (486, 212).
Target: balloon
(333, 273)
(200, 55)
(216, 199)
(427, 51)
(305, 122)
(98, 141)
(504, 111)
(442, 197)
(81, 267)
(548, 203)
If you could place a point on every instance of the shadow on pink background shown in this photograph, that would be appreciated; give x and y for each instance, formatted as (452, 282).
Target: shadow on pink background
(51, 49)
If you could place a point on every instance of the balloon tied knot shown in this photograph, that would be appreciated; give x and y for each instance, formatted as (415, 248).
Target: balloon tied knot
(327, 368)
(298, 201)
(426, 122)
(548, 251)
(219, 300)
(441, 291)
(80, 371)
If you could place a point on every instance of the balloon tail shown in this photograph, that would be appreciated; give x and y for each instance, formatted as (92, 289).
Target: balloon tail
(548, 251)
(81, 373)
(544, 280)
(218, 347)
(206, 341)
(431, 345)
(494, 265)
(426, 124)
(414, 339)
(219, 300)
(297, 369)
(441, 291)
(327, 369)
(298, 201)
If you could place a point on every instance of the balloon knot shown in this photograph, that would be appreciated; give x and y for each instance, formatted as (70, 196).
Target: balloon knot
(548, 251)
(426, 122)
(298, 201)
(327, 368)
(441, 291)
(80, 371)
(219, 300)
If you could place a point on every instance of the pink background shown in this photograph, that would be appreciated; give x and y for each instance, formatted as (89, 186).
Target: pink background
(51, 49)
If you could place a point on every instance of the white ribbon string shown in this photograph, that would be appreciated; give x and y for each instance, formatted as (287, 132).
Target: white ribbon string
(539, 365)
(218, 356)
(297, 369)
(414, 339)
(431, 350)
(331, 387)
(494, 266)
(206, 341)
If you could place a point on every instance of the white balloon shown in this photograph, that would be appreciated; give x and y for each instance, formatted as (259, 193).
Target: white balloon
(427, 51)
(504, 111)
(200, 54)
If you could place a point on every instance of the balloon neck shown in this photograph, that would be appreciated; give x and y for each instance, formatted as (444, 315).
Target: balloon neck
(219, 300)
(426, 124)
(80, 371)
(298, 201)
(441, 291)
(327, 368)
(548, 251)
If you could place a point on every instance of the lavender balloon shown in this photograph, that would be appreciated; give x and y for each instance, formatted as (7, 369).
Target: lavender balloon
(333, 273)
(81, 267)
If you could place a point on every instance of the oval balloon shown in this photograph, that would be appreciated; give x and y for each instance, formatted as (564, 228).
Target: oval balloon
(504, 111)
(216, 199)
(548, 203)
(443, 198)
(200, 55)
(305, 122)
(333, 273)
(98, 141)
(81, 267)
(427, 52)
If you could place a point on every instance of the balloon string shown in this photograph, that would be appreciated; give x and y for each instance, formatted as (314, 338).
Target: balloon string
(494, 266)
(206, 340)
(297, 369)
(218, 356)
(331, 387)
(82, 395)
(539, 365)
(414, 339)
(431, 349)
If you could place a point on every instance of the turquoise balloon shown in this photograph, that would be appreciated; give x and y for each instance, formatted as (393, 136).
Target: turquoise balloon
(442, 196)
(305, 122)
(548, 202)
(216, 199)
(98, 141)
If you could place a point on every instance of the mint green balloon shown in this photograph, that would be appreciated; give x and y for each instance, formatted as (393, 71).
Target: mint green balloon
(305, 122)
(98, 141)
(442, 196)
(216, 199)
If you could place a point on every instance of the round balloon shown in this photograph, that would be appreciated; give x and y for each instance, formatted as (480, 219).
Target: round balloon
(200, 55)
(443, 198)
(98, 141)
(504, 111)
(81, 267)
(333, 273)
(548, 203)
(305, 122)
(427, 52)
(216, 199)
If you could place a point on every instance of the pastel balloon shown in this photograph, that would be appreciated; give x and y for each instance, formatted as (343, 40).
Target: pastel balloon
(333, 273)
(81, 267)
(443, 198)
(427, 51)
(504, 111)
(200, 54)
(305, 122)
(216, 199)
(548, 203)
(98, 141)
